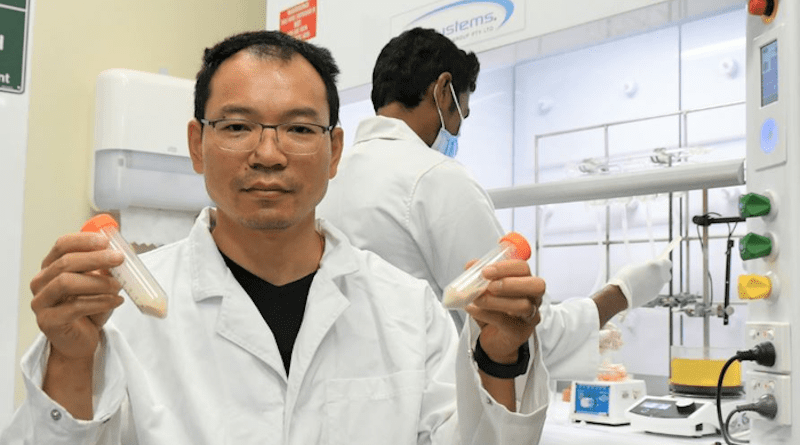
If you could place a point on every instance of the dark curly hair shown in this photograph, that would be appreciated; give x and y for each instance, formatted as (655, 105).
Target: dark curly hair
(410, 62)
(266, 44)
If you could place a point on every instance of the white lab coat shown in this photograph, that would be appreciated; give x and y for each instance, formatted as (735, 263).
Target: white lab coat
(425, 213)
(373, 363)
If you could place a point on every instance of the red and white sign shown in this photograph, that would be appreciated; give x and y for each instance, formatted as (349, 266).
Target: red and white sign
(300, 21)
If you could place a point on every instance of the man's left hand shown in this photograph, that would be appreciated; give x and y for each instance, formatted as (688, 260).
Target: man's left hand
(508, 311)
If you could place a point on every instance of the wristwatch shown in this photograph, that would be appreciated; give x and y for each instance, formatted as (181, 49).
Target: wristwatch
(499, 370)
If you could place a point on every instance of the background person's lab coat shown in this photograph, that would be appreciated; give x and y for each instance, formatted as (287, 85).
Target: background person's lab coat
(426, 214)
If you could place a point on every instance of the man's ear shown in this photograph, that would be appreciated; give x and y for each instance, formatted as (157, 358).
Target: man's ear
(195, 136)
(337, 146)
(442, 90)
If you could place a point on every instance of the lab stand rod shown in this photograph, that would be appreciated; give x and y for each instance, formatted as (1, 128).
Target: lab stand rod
(659, 239)
(539, 219)
(607, 153)
(706, 281)
(640, 119)
(663, 180)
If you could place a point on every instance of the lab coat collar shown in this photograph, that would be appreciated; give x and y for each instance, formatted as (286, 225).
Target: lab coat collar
(382, 127)
(211, 276)
(209, 271)
(339, 258)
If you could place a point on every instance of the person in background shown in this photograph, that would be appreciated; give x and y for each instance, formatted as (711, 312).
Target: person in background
(400, 194)
(278, 331)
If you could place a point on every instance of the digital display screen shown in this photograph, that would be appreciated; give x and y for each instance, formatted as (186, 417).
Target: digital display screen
(769, 73)
(655, 405)
(592, 399)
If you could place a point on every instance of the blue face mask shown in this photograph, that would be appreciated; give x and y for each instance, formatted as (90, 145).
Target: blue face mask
(445, 142)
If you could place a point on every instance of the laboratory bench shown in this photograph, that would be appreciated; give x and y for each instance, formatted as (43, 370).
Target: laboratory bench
(560, 430)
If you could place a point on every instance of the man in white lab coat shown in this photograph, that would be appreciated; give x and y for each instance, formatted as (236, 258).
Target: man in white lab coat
(400, 194)
(278, 330)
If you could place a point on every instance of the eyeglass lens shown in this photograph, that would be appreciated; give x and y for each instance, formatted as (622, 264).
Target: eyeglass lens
(242, 135)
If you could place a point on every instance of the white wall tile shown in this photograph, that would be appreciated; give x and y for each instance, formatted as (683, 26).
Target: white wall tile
(586, 86)
(350, 115)
(572, 271)
(486, 141)
(713, 60)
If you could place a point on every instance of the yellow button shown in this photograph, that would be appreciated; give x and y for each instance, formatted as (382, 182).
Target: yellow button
(754, 287)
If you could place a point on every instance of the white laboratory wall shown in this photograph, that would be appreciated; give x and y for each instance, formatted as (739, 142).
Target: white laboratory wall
(356, 30)
(14, 108)
(352, 110)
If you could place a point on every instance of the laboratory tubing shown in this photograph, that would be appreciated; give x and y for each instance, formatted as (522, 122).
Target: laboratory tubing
(136, 280)
(471, 283)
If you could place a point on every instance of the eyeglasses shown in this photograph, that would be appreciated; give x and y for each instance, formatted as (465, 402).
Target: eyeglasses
(243, 135)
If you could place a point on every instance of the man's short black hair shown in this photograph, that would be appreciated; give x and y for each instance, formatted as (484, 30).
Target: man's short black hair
(410, 62)
(266, 44)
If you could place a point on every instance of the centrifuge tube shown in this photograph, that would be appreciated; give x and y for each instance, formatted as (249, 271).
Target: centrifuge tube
(471, 283)
(136, 280)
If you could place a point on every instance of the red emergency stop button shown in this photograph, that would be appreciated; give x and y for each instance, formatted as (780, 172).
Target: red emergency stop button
(761, 7)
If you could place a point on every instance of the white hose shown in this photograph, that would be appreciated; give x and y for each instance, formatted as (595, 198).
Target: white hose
(649, 222)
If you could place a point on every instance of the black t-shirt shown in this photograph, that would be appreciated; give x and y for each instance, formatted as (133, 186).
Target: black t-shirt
(282, 307)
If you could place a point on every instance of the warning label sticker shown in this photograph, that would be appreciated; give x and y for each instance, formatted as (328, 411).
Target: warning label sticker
(300, 21)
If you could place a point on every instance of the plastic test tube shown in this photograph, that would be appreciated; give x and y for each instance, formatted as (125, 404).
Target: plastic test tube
(136, 280)
(471, 283)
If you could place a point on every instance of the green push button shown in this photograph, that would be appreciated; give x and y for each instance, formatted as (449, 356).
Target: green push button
(754, 246)
(753, 204)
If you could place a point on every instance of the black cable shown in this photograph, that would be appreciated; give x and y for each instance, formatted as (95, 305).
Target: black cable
(698, 222)
(727, 299)
(727, 425)
(766, 405)
(723, 426)
(702, 245)
(706, 220)
(763, 354)
(731, 230)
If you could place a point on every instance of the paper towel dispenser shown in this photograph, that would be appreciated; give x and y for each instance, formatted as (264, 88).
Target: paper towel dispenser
(141, 153)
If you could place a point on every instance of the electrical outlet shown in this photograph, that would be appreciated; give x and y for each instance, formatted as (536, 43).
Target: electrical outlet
(779, 334)
(760, 383)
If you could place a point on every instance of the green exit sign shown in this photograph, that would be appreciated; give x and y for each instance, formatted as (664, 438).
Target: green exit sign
(13, 39)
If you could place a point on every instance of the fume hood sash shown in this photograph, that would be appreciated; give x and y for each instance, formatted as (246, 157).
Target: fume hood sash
(673, 179)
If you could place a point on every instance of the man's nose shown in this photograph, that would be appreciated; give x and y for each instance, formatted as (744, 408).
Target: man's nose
(268, 146)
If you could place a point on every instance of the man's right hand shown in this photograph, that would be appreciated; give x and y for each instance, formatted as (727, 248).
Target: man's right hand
(73, 297)
(640, 283)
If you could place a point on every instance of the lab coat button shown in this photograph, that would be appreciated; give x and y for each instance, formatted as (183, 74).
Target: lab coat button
(55, 415)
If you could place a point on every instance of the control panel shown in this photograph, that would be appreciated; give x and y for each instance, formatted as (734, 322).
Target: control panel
(771, 248)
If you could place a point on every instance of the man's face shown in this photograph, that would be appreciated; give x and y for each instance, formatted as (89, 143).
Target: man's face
(265, 188)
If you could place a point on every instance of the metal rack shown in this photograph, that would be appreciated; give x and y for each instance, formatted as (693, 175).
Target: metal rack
(666, 177)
